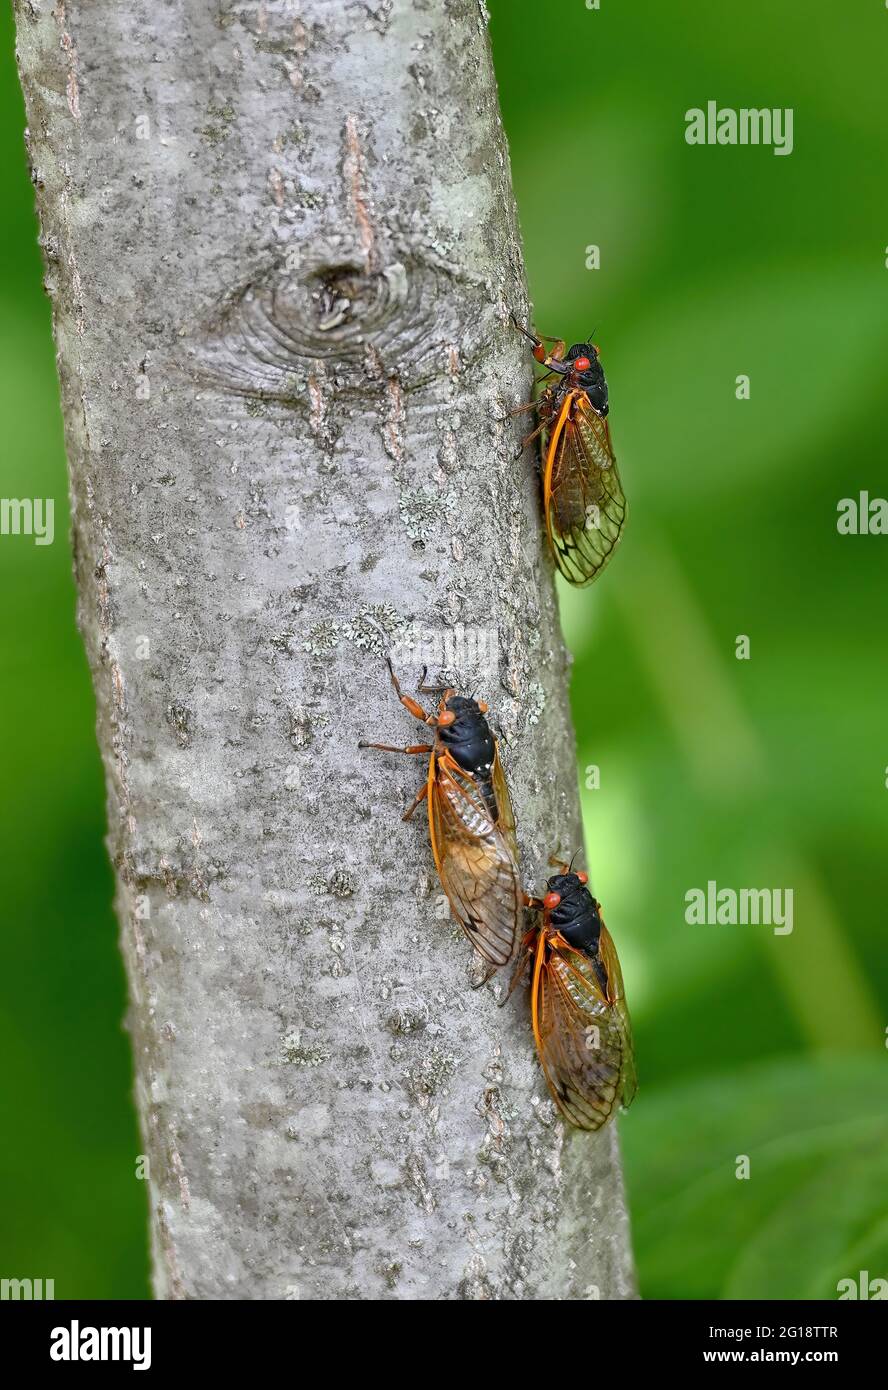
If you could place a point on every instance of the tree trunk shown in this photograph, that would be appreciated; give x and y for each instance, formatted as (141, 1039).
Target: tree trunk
(282, 250)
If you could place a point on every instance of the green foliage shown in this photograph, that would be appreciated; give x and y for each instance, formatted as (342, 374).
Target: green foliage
(717, 262)
(812, 1210)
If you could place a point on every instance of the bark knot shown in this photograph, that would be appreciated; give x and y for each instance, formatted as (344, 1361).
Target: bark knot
(332, 310)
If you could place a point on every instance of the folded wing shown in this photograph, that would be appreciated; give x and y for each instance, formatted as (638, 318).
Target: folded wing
(583, 1037)
(583, 497)
(476, 859)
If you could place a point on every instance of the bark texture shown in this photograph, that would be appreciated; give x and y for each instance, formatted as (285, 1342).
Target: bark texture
(282, 249)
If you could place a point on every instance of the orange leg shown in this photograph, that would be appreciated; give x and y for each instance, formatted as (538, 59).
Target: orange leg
(420, 797)
(415, 709)
(557, 863)
(538, 339)
(409, 748)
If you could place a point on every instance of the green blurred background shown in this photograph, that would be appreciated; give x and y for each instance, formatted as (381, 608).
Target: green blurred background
(762, 773)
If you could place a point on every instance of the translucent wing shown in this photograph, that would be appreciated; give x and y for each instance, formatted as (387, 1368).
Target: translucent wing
(583, 1037)
(506, 820)
(582, 494)
(475, 857)
(608, 952)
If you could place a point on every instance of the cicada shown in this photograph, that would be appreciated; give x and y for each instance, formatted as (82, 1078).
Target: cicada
(583, 500)
(471, 823)
(578, 1009)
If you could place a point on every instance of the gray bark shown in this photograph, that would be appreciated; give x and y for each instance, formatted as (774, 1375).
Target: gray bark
(282, 250)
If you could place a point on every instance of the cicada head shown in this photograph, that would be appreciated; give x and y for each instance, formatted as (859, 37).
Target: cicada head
(572, 911)
(462, 707)
(588, 373)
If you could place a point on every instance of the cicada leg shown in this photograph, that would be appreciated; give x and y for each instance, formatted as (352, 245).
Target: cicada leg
(444, 690)
(411, 749)
(528, 439)
(544, 408)
(408, 748)
(558, 350)
(556, 863)
(415, 709)
(538, 339)
(417, 800)
(524, 954)
(489, 972)
(531, 337)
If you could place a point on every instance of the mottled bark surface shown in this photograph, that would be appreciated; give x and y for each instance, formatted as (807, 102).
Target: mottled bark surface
(282, 250)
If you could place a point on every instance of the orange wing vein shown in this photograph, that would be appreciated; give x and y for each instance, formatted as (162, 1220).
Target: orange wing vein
(475, 856)
(584, 1039)
(583, 497)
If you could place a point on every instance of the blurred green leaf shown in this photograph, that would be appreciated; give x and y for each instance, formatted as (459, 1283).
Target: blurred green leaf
(816, 1134)
(796, 1253)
